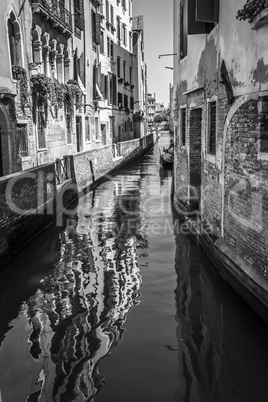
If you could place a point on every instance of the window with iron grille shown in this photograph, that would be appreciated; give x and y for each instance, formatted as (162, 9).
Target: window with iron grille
(22, 140)
(212, 121)
(87, 124)
(183, 126)
(41, 131)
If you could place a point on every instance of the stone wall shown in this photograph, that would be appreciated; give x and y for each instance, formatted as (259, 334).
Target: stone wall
(246, 184)
(92, 166)
(27, 206)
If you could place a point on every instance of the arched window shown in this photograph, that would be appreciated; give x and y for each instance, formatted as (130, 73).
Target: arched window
(14, 39)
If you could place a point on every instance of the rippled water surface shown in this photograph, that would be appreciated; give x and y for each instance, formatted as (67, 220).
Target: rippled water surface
(116, 305)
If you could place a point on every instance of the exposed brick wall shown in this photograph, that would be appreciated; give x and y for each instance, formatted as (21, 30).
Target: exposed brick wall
(246, 184)
(211, 210)
(89, 166)
(21, 192)
(194, 143)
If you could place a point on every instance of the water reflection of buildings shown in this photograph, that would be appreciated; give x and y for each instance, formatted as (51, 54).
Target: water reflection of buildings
(76, 317)
(214, 362)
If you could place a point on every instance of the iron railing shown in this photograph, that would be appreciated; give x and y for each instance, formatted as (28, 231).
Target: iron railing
(62, 169)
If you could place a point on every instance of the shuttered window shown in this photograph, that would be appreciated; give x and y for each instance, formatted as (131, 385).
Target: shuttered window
(197, 9)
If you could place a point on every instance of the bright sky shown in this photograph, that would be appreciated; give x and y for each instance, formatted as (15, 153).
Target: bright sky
(158, 32)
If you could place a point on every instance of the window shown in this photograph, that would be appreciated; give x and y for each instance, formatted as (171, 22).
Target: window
(102, 42)
(118, 28)
(104, 133)
(112, 89)
(124, 70)
(112, 15)
(212, 121)
(107, 11)
(97, 132)
(124, 4)
(183, 126)
(14, 38)
(110, 48)
(41, 132)
(104, 85)
(68, 122)
(125, 101)
(101, 7)
(120, 99)
(87, 128)
(79, 22)
(124, 34)
(112, 126)
(130, 74)
(22, 140)
(96, 27)
(131, 103)
(203, 15)
(130, 41)
(118, 67)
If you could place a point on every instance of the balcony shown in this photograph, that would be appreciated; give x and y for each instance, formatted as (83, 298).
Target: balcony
(54, 11)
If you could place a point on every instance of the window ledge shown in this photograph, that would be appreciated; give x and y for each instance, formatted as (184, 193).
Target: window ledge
(260, 20)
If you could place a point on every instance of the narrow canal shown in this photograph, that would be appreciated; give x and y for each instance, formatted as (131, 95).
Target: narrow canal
(115, 305)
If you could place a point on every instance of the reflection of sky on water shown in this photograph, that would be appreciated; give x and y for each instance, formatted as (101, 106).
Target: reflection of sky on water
(76, 316)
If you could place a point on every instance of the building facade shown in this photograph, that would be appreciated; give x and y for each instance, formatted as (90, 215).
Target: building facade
(220, 122)
(69, 79)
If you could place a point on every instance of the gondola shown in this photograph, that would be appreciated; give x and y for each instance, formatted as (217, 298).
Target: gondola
(167, 157)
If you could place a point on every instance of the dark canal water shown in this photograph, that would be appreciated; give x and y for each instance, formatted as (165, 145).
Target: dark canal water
(114, 306)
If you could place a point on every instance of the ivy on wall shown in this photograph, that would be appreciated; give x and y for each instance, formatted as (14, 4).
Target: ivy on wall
(251, 9)
(20, 74)
(48, 92)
